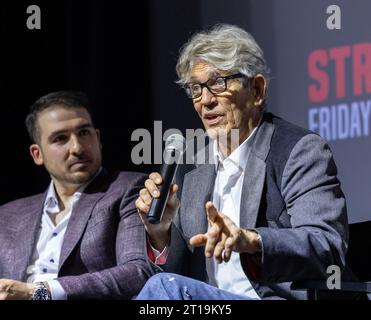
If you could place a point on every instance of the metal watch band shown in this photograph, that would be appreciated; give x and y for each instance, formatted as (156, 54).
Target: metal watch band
(41, 292)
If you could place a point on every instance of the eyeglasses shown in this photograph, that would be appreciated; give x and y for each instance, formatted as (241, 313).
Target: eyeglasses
(214, 85)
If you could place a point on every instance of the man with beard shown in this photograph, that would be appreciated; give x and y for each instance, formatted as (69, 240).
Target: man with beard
(82, 238)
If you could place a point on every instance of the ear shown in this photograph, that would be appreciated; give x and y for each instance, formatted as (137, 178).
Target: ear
(259, 89)
(36, 154)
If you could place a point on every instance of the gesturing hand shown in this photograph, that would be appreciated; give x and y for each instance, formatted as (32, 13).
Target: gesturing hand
(224, 236)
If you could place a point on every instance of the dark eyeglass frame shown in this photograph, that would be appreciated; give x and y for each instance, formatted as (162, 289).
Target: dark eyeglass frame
(205, 84)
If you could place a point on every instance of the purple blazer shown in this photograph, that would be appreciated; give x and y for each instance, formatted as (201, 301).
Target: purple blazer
(103, 254)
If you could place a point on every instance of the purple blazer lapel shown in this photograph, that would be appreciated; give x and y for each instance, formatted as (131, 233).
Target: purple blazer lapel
(81, 213)
(29, 225)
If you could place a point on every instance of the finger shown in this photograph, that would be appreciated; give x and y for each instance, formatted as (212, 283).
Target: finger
(236, 233)
(231, 226)
(224, 248)
(145, 196)
(152, 188)
(214, 232)
(235, 239)
(198, 240)
(142, 207)
(156, 178)
(173, 189)
(211, 211)
(233, 229)
(213, 237)
(173, 201)
(3, 296)
(228, 246)
(218, 251)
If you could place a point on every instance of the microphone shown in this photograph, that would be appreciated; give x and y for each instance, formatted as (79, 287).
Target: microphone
(174, 148)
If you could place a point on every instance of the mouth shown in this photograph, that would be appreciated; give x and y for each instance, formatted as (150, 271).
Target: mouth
(212, 119)
(79, 163)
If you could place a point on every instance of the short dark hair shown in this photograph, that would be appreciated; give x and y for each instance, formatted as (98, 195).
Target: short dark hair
(69, 99)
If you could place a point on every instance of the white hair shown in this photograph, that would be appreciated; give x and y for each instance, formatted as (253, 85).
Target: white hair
(227, 48)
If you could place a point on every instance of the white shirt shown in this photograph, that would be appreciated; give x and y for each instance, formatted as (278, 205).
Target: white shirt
(47, 252)
(227, 199)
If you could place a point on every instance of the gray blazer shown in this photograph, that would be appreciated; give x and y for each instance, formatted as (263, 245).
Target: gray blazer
(103, 253)
(290, 195)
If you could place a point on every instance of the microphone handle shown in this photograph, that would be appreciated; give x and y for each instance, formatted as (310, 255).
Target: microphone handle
(158, 205)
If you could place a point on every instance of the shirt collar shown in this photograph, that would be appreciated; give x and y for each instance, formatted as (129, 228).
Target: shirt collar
(51, 203)
(238, 158)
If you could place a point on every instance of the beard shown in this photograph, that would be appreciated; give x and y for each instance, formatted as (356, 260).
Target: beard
(81, 177)
(77, 177)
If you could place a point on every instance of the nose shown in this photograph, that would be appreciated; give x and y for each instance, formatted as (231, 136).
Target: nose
(207, 98)
(76, 146)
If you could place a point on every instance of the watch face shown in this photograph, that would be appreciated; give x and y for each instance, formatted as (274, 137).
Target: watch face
(41, 293)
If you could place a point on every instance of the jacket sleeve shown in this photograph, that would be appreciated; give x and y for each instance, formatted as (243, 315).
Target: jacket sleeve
(128, 276)
(317, 209)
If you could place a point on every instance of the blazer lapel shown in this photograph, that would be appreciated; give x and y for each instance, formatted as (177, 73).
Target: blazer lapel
(252, 190)
(29, 226)
(81, 213)
(255, 174)
(199, 190)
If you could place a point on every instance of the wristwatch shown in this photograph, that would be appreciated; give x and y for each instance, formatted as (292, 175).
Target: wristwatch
(41, 292)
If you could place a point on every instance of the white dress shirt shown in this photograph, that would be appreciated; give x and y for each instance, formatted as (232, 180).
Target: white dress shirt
(227, 199)
(46, 254)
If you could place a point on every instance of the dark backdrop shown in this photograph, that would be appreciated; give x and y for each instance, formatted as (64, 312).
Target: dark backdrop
(288, 31)
(92, 46)
(124, 58)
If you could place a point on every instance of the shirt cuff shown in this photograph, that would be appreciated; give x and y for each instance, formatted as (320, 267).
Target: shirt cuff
(56, 290)
(156, 256)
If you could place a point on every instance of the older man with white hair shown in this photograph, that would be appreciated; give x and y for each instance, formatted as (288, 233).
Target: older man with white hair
(267, 212)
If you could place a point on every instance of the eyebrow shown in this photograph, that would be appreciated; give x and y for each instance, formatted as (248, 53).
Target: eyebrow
(210, 76)
(58, 132)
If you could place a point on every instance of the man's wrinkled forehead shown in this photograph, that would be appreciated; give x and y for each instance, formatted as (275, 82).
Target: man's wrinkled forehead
(202, 71)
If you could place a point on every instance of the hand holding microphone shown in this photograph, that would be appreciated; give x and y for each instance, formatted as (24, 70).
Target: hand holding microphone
(157, 202)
